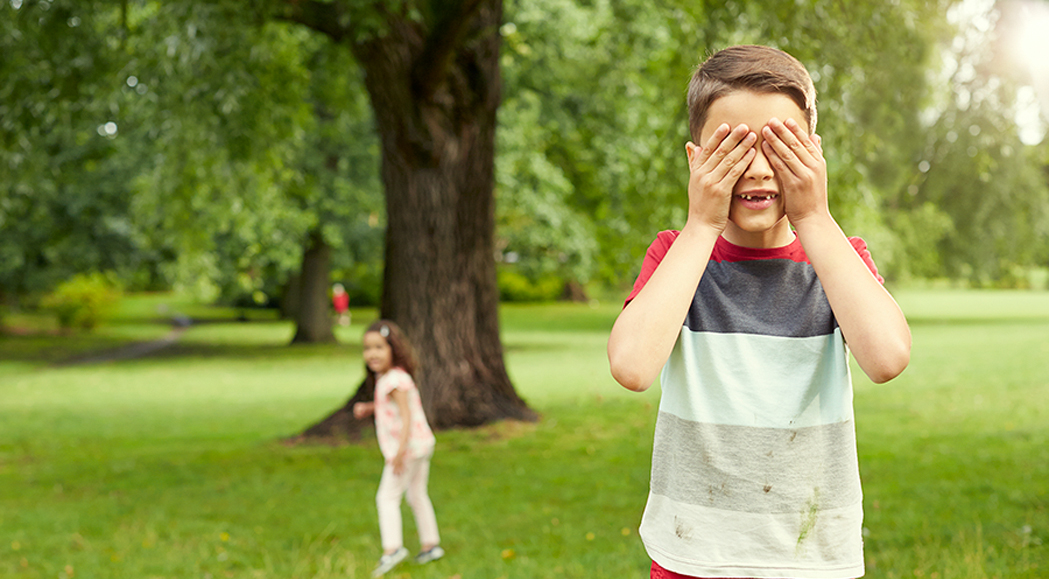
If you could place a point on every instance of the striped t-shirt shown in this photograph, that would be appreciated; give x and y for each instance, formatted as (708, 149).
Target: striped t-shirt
(754, 468)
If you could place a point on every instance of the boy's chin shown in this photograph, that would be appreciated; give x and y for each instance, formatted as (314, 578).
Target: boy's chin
(763, 230)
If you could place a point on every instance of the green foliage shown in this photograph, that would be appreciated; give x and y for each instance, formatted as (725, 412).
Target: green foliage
(64, 185)
(594, 99)
(986, 180)
(196, 144)
(517, 287)
(919, 233)
(83, 301)
(220, 110)
(275, 140)
(363, 282)
(595, 123)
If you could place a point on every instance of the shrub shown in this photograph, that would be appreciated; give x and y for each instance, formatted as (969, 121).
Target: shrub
(515, 287)
(82, 301)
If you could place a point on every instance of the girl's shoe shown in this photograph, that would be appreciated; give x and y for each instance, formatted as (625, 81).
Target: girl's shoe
(388, 562)
(435, 553)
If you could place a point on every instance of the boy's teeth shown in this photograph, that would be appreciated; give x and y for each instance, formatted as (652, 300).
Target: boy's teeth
(752, 197)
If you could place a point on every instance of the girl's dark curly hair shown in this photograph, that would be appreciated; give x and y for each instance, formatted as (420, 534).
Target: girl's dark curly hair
(401, 348)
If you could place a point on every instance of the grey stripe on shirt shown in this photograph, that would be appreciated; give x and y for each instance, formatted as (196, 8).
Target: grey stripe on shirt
(755, 470)
(775, 297)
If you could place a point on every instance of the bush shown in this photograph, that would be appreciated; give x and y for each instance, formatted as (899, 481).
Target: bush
(82, 301)
(514, 287)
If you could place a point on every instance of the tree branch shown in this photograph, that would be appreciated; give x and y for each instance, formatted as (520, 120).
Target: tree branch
(449, 29)
(324, 17)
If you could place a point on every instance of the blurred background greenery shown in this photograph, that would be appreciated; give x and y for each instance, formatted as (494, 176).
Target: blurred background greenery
(191, 154)
(204, 145)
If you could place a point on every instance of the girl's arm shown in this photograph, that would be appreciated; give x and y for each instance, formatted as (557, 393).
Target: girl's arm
(400, 397)
(363, 409)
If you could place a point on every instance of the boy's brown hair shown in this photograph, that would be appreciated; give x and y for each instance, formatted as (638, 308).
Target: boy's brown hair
(759, 69)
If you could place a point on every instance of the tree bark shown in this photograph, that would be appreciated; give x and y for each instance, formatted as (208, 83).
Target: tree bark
(341, 425)
(290, 299)
(435, 93)
(313, 318)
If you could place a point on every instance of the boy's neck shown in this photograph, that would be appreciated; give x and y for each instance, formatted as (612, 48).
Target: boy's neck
(779, 235)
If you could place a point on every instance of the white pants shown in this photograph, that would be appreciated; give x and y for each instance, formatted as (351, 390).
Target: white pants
(392, 488)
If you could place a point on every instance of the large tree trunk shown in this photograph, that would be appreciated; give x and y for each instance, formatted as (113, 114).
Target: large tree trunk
(313, 317)
(291, 298)
(435, 89)
(438, 167)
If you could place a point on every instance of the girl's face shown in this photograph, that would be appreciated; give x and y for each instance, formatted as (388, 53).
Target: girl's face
(378, 355)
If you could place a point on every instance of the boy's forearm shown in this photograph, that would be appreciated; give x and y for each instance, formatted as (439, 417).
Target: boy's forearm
(646, 330)
(871, 322)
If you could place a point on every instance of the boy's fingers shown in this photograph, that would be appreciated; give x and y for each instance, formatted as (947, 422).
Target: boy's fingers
(785, 144)
(737, 160)
(712, 145)
(736, 170)
(774, 157)
(730, 151)
(800, 144)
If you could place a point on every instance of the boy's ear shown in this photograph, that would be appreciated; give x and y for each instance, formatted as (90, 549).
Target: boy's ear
(690, 150)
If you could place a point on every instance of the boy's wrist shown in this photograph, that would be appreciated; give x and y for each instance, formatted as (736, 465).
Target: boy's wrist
(814, 222)
(699, 227)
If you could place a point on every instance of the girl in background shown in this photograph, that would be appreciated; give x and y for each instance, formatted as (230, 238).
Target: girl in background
(405, 440)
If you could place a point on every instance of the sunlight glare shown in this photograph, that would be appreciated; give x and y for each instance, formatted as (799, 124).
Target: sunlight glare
(1033, 37)
(1031, 45)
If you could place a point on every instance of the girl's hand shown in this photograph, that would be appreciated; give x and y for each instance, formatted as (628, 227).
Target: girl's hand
(363, 409)
(797, 159)
(398, 462)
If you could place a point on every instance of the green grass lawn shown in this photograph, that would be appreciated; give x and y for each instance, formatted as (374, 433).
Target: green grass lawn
(172, 466)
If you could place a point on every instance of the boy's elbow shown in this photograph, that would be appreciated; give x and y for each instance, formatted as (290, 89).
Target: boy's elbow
(631, 381)
(891, 364)
(627, 374)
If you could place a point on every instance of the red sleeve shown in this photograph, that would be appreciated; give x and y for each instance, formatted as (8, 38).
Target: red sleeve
(665, 239)
(653, 257)
(861, 248)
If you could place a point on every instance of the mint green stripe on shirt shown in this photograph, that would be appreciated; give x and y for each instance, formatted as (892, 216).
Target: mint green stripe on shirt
(758, 380)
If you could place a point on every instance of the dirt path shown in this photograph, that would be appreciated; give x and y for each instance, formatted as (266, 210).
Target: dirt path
(129, 351)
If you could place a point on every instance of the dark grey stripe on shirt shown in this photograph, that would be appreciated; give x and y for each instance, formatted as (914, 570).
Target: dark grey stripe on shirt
(773, 297)
(755, 470)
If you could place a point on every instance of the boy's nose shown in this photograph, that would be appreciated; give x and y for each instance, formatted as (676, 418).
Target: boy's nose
(759, 169)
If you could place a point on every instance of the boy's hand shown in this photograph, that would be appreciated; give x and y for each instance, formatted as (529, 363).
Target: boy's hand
(797, 159)
(714, 170)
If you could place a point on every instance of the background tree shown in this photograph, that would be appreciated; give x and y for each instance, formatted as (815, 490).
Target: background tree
(220, 148)
(976, 175)
(595, 117)
(269, 147)
(432, 73)
(63, 181)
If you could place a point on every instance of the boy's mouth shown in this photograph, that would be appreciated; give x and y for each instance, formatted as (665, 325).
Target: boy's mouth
(767, 197)
(757, 201)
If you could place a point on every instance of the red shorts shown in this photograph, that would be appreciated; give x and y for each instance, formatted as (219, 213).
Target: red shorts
(661, 573)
